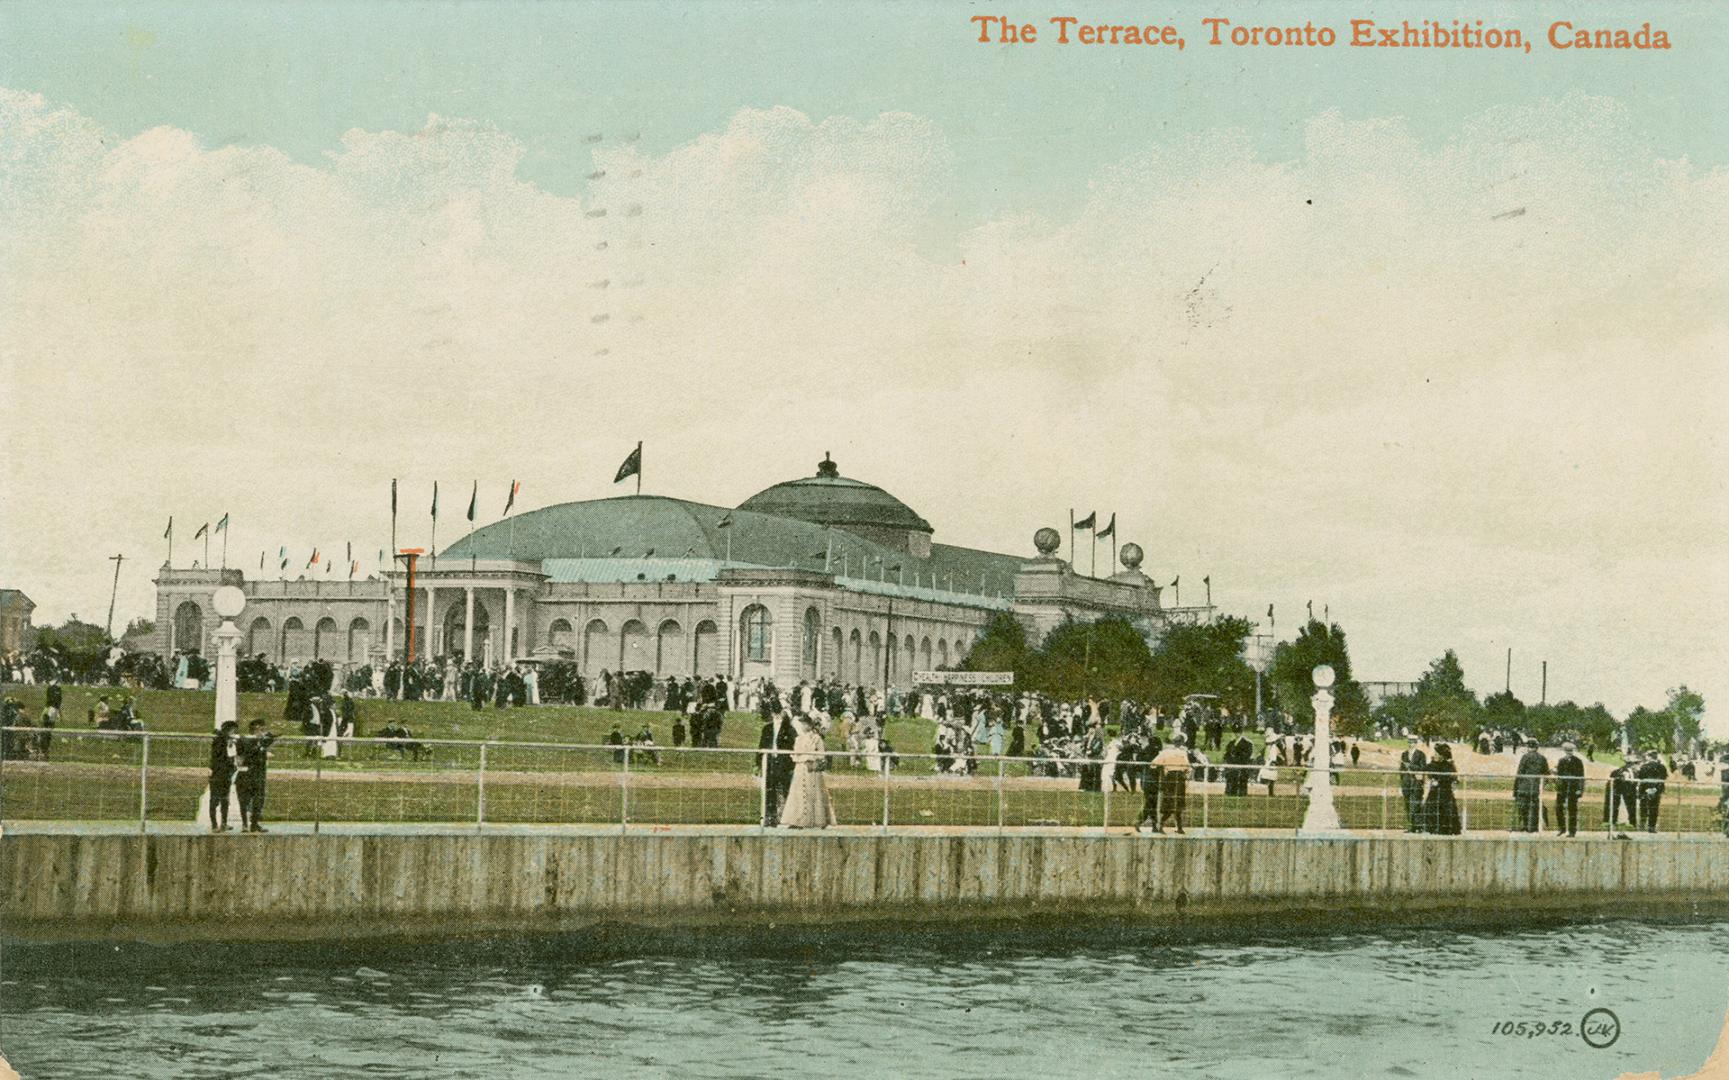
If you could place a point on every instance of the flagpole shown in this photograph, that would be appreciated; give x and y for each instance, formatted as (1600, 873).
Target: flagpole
(1071, 536)
(224, 545)
(207, 548)
(639, 467)
(170, 542)
(1093, 569)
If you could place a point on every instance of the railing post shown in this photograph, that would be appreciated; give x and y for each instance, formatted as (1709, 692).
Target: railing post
(624, 795)
(317, 789)
(1105, 818)
(762, 760)
(144, 784)
(1385, 824)
(1001, 766)
(1464, 805)
(885, 772)
(480, 790)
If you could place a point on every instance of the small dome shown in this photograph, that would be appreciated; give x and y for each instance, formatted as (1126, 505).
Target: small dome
(828, 498)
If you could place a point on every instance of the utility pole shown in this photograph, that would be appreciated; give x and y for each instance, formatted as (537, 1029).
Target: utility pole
(116, 560)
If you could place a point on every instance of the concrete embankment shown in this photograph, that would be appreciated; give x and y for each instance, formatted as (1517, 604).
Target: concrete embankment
(287, 886)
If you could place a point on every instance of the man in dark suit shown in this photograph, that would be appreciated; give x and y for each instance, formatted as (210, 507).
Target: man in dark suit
(1528, 788)
(1569, 786)
(1239, 755)
(1651, 776)
(254, 755)
(1622, 791)
(777, 734)
(1413, 763)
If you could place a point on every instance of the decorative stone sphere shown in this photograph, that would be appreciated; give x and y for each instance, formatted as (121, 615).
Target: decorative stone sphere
(1131, 556)
(1323, 675)
(1047, 540)
(228, 601)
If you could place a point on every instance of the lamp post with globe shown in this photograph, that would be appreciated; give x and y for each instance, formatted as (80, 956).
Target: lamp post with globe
(228, 602)
(1321, 818)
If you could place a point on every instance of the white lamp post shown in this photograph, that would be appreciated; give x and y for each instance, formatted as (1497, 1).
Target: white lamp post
(1321, 818)
(228, 603)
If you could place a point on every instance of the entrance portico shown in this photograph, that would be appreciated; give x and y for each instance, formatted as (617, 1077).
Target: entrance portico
(473, 609)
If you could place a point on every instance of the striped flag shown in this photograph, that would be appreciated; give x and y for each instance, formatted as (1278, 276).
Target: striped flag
(515, 486)
(310, 563)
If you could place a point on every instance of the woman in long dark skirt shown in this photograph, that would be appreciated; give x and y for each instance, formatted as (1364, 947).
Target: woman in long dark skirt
(1440, 808)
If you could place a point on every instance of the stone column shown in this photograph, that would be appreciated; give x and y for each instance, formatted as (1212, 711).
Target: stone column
(468, 624)
(509, 643)
(431, 623)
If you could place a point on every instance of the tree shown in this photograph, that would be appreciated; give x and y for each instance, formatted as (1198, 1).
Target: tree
(1107, 659)
(1293, 682)
(1002, 647)
(1504, 710)
(1686, 709)
(1196, 658)
(1442, 705)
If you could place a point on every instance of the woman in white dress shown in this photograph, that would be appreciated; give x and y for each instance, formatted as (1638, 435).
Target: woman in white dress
(807, 803)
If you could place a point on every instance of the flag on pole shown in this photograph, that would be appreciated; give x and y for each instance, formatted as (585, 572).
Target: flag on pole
(393, 496)
(1088, 522)
(472, 496)
(350, 551)
(1108, 530)
(1269, 611)
(261, 560)
(724, 523)
(328, 566)
(169, 531)
(435, 500)
(510, 501)
(222, 526)
(310, 563)
(632, 465)
(202, 529)
(352, 567)
(1178, 580)
(1208, 580)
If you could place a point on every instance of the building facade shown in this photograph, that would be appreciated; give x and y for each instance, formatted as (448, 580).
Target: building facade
(15, 610)
(818, 577)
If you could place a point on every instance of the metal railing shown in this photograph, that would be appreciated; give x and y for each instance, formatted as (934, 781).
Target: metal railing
(161, 779)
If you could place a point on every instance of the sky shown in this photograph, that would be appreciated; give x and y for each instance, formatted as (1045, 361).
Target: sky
(1433, 339)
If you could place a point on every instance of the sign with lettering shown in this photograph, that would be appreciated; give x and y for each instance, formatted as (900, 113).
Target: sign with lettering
(963, 678)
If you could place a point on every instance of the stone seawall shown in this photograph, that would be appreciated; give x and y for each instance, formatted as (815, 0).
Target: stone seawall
(93, 886)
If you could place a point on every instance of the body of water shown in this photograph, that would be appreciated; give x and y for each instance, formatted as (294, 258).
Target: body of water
(913, 1002)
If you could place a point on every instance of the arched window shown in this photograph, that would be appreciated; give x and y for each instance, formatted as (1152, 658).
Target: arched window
(188, 628)
(707, 636)
(758, 627)
(594, 650)
(925, 653)
(856, 640)
(837, 656)
(876, 654)
(258, 639)
(942, 654)
(294, 641)
(633, 647)
(812, 636)
(559, 635)
(910, 655)
(669, 654)
(324, 639)
(359, 640)
(960, 652)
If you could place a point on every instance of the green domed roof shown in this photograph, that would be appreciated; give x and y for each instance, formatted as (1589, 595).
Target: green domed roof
(828, 498)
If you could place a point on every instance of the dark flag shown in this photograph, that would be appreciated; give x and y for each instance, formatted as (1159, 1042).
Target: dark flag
(473, 495)
(1311, 611)
(261, 560)
(1176, 581)
(169, 531)
(1088, 522)
(1108, 530)
(632, 467)
(515, 486)
(435, 500)
(393, 496)
(202, 529)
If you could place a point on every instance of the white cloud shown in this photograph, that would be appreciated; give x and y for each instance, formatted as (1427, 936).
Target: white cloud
(1470, 395)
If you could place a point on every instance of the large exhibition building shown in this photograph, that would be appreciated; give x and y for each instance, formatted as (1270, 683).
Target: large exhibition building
(815, 577)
